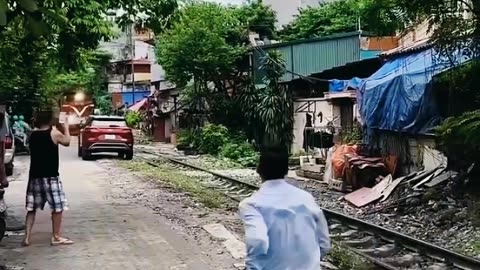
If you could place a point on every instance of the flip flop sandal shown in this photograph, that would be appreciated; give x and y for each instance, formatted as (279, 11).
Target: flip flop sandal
(25, 243)
(62, 241)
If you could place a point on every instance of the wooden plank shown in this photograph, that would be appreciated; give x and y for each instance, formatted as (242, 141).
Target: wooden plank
(362, 197)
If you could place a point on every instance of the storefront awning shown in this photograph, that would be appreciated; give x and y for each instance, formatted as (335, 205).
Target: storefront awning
(138, 106)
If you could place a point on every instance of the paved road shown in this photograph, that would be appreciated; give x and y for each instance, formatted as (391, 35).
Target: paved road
(109, 234)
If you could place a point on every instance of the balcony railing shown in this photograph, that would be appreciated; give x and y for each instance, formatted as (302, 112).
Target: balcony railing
(121, 78)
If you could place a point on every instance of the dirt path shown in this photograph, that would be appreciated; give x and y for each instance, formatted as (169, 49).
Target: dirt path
(110, 226)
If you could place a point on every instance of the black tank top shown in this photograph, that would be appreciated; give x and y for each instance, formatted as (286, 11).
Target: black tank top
(43, 154)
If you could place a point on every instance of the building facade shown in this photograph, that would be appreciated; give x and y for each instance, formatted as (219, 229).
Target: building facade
(132, 71)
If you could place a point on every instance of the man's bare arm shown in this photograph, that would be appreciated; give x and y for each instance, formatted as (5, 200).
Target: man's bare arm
(62, 138)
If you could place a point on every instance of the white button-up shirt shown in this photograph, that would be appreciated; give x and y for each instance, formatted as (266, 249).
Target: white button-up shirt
(285, 229)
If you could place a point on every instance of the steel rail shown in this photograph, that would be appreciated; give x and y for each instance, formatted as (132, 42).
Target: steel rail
(449, 257)
(439, 254)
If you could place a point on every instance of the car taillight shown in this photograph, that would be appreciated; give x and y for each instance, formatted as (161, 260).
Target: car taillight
(125, 130)
(92, 130)
(8, 142)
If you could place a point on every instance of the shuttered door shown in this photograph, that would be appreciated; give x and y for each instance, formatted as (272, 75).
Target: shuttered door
(346, 114)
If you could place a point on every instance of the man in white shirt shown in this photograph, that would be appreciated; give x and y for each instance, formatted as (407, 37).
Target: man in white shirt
(285, 229)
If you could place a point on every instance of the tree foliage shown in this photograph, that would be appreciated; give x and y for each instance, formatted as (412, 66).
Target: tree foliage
(31, 11)
(458, 132)
(258, 18)
(458, 90)
(73, 25)
(270, 110)
(204, 45)
(69, 26)
(24, 61)
(455, 24)
(90, 76)
(156, 15)
(48, 46)
(379, 17)
(205, 49)
(34, 71)
(87, 26)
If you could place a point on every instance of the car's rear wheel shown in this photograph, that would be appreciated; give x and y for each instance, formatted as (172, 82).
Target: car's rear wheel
(129, 155)
(86, 155)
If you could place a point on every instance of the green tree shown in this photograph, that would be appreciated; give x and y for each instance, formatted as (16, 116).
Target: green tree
(24, 61)
(30, 10)
(269, 111)
(87, 26)
(90, 76)
(257, 18)
(459, 138)
(376, 16)
(204, 45)
(45, 46)
(31, 77)
(206, 49)
(156, 15)
(275, 109)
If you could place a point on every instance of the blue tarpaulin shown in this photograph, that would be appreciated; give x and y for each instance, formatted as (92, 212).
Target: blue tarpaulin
(397, 97)
(336, 86)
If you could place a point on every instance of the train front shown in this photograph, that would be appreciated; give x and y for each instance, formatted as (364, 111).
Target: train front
(79, 106)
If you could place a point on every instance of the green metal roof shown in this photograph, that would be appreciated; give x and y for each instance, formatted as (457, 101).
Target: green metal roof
(304, 57)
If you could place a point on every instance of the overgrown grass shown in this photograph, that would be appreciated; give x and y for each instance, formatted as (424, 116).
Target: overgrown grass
(343, 259)
(207, 196)
(340, 257)
(476, 247)
(474, 213)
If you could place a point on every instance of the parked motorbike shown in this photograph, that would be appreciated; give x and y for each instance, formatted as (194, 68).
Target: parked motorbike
(21, 143)
(3, 212)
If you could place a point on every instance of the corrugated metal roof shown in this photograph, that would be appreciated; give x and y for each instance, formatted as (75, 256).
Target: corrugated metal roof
(416, 46)
(305, 57)
(317, 39)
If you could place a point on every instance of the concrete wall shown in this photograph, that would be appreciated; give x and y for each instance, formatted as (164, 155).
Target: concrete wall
(420, 32)
(143, 50)
(300, 119)
(168, 128)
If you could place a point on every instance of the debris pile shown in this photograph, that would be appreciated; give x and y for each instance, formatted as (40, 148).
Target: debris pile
(424, 204)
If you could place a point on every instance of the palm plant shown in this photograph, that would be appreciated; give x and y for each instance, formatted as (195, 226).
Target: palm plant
(272, 111)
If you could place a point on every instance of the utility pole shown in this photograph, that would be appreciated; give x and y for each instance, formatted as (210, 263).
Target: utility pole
(132, 47)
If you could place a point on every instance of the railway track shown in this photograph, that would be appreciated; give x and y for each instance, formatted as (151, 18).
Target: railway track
(385, 248)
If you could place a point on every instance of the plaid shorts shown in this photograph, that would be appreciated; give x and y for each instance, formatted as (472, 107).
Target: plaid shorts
(43, 190)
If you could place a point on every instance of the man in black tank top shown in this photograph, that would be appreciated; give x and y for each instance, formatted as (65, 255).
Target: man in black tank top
(44, 185)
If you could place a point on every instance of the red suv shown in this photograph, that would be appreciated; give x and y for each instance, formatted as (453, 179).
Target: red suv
(105, 134)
